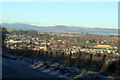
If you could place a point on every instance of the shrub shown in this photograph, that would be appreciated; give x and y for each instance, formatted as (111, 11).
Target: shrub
(83, 72)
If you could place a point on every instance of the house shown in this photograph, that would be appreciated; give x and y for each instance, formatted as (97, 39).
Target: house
(43, 47)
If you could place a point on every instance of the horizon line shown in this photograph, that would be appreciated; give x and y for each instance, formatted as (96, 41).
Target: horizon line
(38, 25)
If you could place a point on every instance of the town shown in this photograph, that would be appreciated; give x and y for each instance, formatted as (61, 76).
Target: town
(67, 43)
(85, 54)
(60, 40)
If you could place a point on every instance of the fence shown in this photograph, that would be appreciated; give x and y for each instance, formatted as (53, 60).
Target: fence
(81, 60)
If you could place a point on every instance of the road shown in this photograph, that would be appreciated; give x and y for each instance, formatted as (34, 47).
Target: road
(19, 69)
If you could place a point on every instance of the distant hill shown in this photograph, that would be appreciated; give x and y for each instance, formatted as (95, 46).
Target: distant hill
(60, 29)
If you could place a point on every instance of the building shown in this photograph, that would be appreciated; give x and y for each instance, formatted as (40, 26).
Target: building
(103, 46)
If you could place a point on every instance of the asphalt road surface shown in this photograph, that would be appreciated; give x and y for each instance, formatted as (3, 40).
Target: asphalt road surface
(19, 69)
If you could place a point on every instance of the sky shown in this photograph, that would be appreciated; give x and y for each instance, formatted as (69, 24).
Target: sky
(85, 14)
